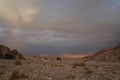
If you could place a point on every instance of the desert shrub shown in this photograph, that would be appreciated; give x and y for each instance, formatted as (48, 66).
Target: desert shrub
(118, 58)
(89, 72)
(57, 65)
(18, 62)
(70, 77)
(45, 58)
(28, 62)
(1, 73)
(8, 56)
(103, 59)
(58, 58)
(16, 75)
(44, 63)
(78, 65)
(2, 66)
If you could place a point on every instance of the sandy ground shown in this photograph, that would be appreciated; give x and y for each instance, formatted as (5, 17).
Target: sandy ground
(49, 68)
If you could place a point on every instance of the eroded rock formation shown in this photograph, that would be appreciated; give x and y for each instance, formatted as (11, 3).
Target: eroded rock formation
(6, 53)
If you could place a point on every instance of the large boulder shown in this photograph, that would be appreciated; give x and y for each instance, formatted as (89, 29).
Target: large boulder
(16, 54)
(0, 51)
(6, 53)
(4, 50)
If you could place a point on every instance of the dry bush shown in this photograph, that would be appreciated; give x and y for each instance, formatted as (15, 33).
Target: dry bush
(3, 66)
(57, 65)
(75, 65)
(45, 58)
(70, 77)
(1, 73)
(89, 72)
(17, 62)
(15, 76)
(118, 58)
(58, 58)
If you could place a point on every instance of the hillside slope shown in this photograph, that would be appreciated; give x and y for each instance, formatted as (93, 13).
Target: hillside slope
(107, 54)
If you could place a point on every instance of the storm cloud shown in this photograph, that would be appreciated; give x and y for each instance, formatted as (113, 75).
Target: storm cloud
(59, 26)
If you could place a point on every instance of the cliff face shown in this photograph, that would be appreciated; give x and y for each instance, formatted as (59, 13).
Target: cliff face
(107, 54)
(7, 53)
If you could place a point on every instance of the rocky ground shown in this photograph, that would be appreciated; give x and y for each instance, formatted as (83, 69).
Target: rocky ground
(52, 68)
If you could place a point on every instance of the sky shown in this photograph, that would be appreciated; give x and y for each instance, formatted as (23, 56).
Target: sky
(57, 27)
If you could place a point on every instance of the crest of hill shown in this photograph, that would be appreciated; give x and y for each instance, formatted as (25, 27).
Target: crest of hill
(107, 54)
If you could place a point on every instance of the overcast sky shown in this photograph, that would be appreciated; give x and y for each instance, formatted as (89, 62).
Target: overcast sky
(59, 26)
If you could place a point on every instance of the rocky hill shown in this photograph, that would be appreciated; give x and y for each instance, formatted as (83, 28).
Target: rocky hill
(107, 54)
(7, 53)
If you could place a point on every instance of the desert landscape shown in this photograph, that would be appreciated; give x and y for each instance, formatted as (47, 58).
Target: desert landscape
(102, 65)
(59, 39)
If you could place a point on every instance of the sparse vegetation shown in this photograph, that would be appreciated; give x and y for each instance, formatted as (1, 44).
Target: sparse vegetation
(118, 58)
(57, 65)
(58, 58)
(75, 65)
(66, 69)
(103, 59)
(45, 58)
(16, 75)
(70, 77)
(104, 66)
(17, 62)
(89, 71)
(1, 73)
(2, 66)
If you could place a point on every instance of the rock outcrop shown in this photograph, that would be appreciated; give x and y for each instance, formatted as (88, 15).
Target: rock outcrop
(118, 46)
(4, 50)
(107, 54)
(6, 53)
(16, 54)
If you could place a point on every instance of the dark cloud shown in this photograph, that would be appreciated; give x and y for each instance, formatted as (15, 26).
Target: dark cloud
(59, 26)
